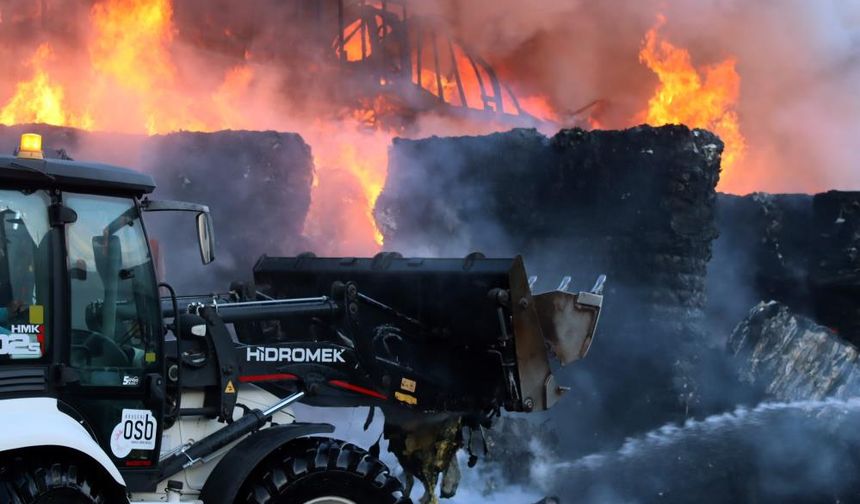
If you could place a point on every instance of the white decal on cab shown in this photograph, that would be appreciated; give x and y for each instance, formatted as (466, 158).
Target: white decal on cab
(135, 431)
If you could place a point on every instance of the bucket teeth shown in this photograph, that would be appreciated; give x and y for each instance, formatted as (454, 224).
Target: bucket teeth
(565, 282)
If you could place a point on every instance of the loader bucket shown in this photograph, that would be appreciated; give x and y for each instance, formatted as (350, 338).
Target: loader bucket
(560, 321)
(468, 331)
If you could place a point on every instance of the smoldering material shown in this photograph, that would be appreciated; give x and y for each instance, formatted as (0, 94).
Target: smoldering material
(802, 447)
(798, 446)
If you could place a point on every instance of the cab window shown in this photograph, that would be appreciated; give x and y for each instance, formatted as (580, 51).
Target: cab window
(24, 280)
(115, 317)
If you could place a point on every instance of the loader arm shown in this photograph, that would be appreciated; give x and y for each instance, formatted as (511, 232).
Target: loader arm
(429, 335)
(438, 345)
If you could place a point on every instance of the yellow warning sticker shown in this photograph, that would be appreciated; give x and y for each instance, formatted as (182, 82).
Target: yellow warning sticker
(37, 314)
(229, 389)
(407, 385)
(149, 357)
(406, 398)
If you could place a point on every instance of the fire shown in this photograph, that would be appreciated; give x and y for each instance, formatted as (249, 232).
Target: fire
(236, 84)
(354, 160)
(131, 41)
(353, 44)
(130, 54)
(40, 99)
(129, 73)
(540, 107)
(704, 98)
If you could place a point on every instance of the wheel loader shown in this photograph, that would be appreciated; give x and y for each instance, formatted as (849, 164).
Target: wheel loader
(116, 389)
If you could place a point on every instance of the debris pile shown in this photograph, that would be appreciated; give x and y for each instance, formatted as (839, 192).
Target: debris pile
(791, 358)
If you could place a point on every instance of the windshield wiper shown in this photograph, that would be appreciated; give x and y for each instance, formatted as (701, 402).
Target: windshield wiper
(33, 169)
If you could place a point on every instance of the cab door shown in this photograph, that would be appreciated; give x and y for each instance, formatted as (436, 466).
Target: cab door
(115, 330)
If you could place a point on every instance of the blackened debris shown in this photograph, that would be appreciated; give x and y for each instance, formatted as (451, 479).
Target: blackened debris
(800, 250)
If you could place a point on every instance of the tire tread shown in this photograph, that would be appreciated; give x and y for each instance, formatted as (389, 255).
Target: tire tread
(28, 482)
(272, 482)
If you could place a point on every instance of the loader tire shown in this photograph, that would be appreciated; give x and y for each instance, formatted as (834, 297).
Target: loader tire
(324, 471)
(48, 483)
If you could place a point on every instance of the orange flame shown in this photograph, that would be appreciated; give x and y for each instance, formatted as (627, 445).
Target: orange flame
(131, 40)
(354, 160)
(130, 54)
(699, 99)
(40, 99)
(353, 44)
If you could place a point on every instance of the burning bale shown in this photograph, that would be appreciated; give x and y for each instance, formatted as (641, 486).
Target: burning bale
(636, 204)
(790, 357)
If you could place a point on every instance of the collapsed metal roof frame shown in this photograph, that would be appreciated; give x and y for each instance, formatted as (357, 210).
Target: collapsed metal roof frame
(394, 45)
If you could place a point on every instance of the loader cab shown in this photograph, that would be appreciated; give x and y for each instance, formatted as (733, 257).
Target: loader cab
(80, 312)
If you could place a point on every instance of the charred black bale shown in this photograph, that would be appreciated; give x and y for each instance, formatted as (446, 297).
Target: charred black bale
(257, 185)
(636, 204)
(474, 192)
(800, 250)
(762, 252)
(834, 273)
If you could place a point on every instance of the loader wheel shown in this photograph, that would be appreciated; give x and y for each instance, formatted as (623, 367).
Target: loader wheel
(48, 483)
(323, 471)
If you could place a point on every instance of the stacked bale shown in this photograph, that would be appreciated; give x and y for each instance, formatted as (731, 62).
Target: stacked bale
(800, 250)
(636, 204)
(648, 195)
(762, 253)
(257, 185)
(449, 196)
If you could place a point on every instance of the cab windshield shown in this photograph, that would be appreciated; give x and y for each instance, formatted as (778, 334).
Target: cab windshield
(115, 315)
(24, 278)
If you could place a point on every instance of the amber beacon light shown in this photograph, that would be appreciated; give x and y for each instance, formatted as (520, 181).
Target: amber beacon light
(30, 146)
